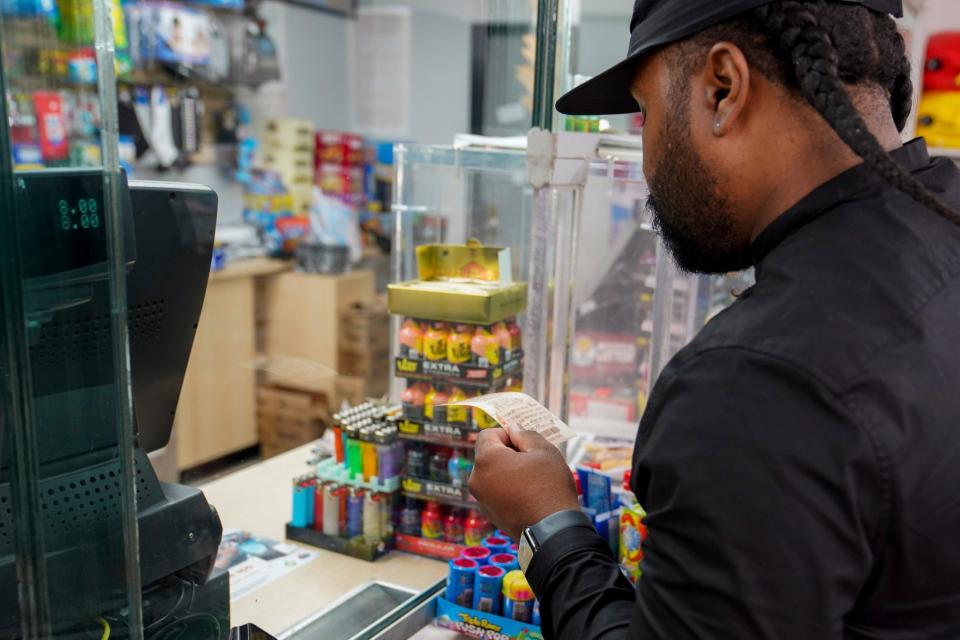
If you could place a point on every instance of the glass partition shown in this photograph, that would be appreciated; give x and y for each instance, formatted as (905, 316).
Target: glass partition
(68, 529)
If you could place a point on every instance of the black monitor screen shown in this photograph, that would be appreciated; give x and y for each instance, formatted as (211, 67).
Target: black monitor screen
(63, 226)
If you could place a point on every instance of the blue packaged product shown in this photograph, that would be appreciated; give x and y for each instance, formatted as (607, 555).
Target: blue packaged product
(597, 489)
(535, 618)
(460, 582)
(518, 597)
(497, 545)
(302, 504)
(506, 561)
(486, 589)
(354, 514)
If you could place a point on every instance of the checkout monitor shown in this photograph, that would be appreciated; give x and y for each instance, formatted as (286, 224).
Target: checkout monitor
(168, 244)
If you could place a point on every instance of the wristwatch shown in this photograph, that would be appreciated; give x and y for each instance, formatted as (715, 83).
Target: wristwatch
(533, 538)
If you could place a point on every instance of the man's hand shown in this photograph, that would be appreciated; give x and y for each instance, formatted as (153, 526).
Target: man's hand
(519, 478)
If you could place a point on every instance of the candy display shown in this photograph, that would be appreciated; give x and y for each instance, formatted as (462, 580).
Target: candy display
(488, 596)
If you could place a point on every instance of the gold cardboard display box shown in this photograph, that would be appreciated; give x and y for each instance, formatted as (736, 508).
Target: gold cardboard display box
(460, 283)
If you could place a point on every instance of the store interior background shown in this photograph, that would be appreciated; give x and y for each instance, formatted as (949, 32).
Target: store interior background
(317, 53)
(419, 72)
(283, 344)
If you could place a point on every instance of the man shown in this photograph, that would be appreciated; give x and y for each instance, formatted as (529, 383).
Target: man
(799, 461)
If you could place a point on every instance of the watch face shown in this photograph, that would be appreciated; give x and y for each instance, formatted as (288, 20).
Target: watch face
(525, 550)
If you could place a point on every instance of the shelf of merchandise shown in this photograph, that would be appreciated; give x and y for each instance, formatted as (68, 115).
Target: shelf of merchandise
(442, 434)
(437, 492)
(488, 379)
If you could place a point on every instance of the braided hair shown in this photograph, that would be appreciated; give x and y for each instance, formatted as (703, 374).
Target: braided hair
(818, 47)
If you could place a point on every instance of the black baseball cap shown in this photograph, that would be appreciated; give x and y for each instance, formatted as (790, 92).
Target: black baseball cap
(659, 22)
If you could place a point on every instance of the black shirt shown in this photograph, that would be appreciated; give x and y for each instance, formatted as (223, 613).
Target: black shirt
(799, 461)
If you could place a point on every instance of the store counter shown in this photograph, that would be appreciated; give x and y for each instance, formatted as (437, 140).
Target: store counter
(257, 499)
(222, 366)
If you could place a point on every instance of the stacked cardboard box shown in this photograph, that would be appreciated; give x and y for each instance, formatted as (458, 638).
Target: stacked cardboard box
(288, 418)
(289, 149)
(364, 350)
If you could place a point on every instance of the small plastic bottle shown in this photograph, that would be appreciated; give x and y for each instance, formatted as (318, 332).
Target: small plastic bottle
(413, 400)
(474, 529)
(411, 339)
(410, 518)
(431, 522)
(453, 527)
(417, 462)
(435, 341)
(438, 466)
(459, 468)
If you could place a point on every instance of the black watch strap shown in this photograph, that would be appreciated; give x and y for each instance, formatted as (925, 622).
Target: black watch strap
(549, 526)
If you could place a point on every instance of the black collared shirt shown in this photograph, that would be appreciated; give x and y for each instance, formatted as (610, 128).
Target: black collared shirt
(800, 460)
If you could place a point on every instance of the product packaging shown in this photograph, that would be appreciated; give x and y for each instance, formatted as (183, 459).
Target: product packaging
(51, 125)
(461, 284)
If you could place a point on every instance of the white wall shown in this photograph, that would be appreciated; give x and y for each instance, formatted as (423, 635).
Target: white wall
(602, 42)
(440, 98)
(316, 46)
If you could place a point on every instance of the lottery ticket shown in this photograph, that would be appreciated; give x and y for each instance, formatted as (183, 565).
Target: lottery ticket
(520, 411)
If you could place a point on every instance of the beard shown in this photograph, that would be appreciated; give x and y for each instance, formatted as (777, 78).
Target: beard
(695, 221)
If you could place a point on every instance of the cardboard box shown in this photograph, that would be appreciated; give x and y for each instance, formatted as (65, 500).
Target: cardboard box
(282, 433)
(288, 418)
(302, 340)
(278, 401)
(351, 390)
(289, 133)
(365, 327)
(371, 365)
(483, 626)
(460, 283)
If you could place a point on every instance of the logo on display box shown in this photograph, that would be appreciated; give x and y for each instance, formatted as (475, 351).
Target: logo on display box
(407, 366)
(412, 486)
(480, 623)
(441, 368)
(409, 427)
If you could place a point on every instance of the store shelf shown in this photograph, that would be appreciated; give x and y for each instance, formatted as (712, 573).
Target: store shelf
(439, 434)
(498, 161)
(437, 492)
(355, 548)
(439, 549)
(474, 377)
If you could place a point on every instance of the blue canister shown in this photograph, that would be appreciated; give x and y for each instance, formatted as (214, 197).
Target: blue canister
(518, 600)
(354, 513)
(486, 589)
(463, 575)
(506, 561)
(497, 545)
(302, 515)
(480, 555)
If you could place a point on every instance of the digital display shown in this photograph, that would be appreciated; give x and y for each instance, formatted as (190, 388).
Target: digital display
(62, 222)
(79, 215)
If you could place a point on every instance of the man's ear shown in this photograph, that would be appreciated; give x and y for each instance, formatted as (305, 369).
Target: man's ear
(726, 83)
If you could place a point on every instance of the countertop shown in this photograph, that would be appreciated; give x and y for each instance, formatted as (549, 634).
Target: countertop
(257, 499)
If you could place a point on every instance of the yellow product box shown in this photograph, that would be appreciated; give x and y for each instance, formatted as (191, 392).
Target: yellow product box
(938, 118)
(467, 283)
(281, 203)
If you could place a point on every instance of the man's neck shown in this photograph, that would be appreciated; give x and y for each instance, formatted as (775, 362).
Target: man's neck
(819, 155)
